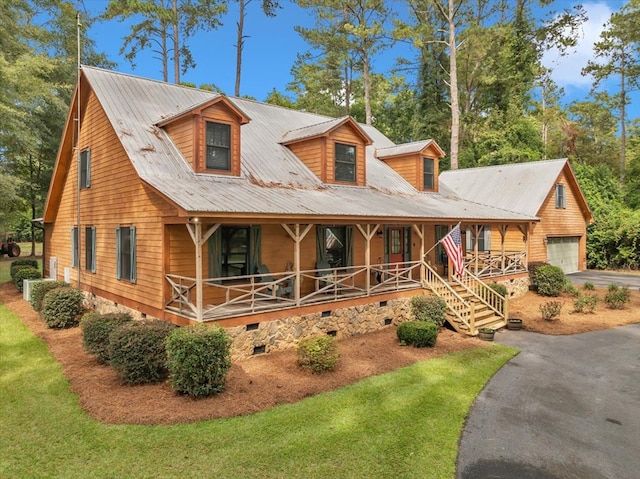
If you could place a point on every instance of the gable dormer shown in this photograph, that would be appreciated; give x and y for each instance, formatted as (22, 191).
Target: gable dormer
(416, 162)
(208, 135)
(333, 150)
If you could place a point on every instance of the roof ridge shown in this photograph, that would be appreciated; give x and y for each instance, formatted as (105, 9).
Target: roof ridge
(506, 165)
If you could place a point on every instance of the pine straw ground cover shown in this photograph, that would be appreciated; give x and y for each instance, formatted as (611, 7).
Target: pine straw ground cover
(263, 382)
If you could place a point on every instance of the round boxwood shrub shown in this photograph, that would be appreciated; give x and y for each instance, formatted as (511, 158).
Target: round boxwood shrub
(22, 263)
(318, 353)
(499, 288)
(418, 333)
(62, 307)
(549, 280)
(25, 272)
(39, 290)
(429, 308)
(96, 329)
(137, 352)
(198, 359)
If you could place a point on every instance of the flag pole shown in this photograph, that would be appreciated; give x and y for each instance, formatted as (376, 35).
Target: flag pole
(439, 241)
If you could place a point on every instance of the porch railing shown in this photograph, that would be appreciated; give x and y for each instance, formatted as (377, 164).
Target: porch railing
(463, 311)
(483, 293)
(488, 264)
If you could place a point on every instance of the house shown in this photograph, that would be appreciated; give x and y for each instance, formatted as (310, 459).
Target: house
(192, 206)
(545, 189)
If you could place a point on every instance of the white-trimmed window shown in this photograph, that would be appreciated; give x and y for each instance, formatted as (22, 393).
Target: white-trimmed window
(85, 168)
(126, 253)
(345, 162)
(90, 248)
(218, 146)
(74, 247)
(561, 198)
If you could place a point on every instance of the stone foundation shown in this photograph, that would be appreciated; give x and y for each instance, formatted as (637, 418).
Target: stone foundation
(281, 334)
(516, 286)
(105, 306)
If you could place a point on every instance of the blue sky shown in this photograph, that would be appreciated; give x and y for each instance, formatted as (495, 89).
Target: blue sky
(270, 50)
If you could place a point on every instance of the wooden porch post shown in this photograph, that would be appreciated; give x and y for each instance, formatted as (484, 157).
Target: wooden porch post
(368, 234)
(297, 237)
(503, 233)
(420, 233)
(524, 229)
(476, 232)
(195, 230)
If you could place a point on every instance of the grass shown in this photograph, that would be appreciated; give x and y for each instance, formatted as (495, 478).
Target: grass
(403, 424)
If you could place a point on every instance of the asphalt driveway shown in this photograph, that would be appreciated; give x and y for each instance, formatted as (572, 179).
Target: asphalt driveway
(605, 278)
(565, 407)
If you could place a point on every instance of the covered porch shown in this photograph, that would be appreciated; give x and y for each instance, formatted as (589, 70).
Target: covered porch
(405, 257)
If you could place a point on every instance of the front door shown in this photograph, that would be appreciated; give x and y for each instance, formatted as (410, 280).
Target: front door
(396, 244)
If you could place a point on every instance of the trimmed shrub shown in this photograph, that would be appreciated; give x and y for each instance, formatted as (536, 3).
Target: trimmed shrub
(96, 329)
(429, 308)
(39, 290)
(418, 333)
(617, 297)
(585, 304)
(532, 267)
(198, 359)
(62, 307)
(21, 263)
(589, 286)
(318, 354)
(25, 272)
(137, 353)
(549, 280)
(499, 288)
(551, 310)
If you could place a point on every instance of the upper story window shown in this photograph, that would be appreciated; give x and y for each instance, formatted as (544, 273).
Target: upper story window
(218, 146)
(561, 199)
(428, 179)
(85, 168)
(345, 162)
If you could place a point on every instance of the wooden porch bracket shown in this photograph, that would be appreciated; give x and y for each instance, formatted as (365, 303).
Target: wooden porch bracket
(297, 237)
(195, 231)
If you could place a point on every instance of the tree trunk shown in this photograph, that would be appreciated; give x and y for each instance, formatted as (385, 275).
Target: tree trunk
(367, 87)
(176, 44)
(453, 87)
(165, 55)
(239, 46)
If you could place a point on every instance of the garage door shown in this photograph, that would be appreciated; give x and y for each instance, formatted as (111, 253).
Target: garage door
(564, 253)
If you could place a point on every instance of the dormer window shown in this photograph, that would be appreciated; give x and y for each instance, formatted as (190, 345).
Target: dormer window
(218, 146)
(345, 162)
(429, 174)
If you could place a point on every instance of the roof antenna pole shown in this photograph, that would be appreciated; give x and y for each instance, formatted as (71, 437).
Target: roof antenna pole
(78, 235)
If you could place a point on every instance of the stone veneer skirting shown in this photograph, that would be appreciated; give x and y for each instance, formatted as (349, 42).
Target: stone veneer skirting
(281, 334)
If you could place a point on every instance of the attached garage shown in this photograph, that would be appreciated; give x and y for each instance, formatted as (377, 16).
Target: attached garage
(564, 252)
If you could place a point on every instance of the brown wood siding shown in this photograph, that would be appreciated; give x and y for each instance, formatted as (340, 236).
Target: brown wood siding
(346, 135)
(311, 153)
(117, 197)
(182, 134)
(407, 167)
(219, 113)
(512, 242)
(567, 221)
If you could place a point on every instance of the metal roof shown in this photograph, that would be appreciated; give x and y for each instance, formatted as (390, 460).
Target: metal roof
(405, 149)
(273, 180)
(519, 187)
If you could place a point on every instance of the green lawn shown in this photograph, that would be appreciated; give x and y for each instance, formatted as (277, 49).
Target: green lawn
(403, 424)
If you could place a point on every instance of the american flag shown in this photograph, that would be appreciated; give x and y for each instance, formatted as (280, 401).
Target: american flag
(453, 246)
